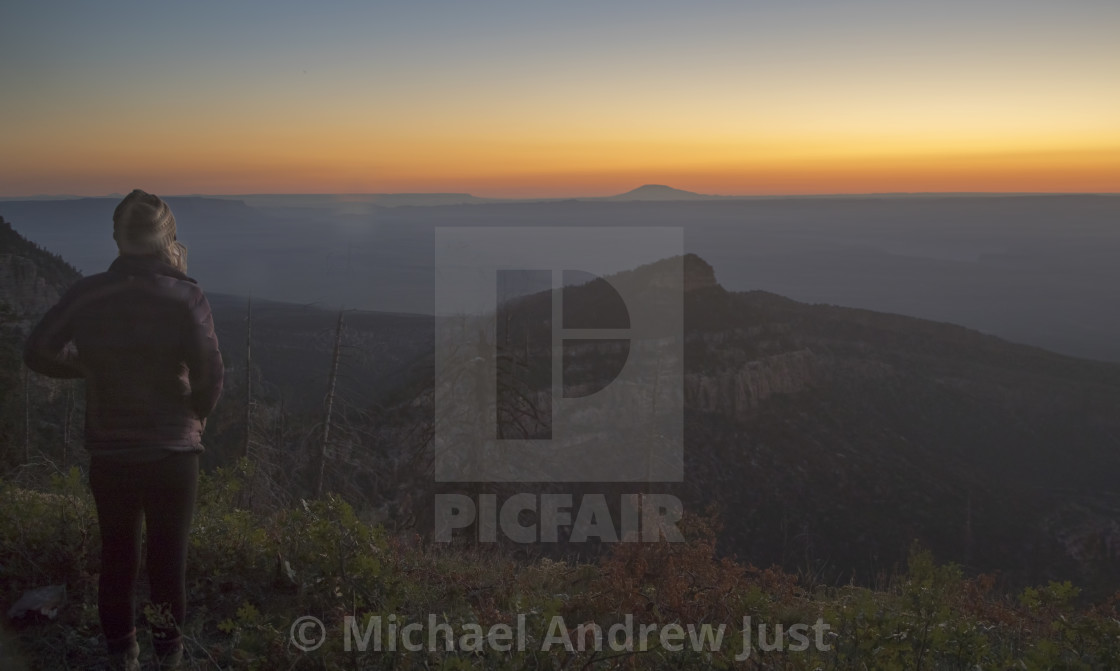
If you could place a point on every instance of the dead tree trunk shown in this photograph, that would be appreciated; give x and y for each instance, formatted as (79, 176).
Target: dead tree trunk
(26, 415)
(248, 378)
(321, 461)
(67, 414)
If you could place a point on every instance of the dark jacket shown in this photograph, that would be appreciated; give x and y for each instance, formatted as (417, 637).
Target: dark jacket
(142, 336)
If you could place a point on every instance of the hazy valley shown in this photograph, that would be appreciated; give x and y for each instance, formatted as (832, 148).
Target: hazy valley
(1039, 270)
(828, 438)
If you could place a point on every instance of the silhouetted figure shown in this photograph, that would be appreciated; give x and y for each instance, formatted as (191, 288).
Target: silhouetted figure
(142, 336)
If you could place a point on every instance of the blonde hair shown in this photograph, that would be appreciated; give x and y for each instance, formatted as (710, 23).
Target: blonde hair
(144, 225)
(174, 255)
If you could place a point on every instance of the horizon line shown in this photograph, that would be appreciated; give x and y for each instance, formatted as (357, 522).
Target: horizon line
(760, 196)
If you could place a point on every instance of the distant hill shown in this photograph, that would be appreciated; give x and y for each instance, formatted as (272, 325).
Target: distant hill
(654, 192)
(832, 437)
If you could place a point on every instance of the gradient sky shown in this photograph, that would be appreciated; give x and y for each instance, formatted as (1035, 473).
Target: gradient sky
(559, 99)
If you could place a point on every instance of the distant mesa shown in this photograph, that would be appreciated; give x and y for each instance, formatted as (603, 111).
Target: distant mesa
(426, 199)
(659, 192)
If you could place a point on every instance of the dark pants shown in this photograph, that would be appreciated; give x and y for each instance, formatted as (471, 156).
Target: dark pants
(162, 493)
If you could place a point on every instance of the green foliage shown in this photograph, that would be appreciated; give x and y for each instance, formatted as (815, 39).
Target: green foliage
(226, 539)
(47, 536)
(252, 575)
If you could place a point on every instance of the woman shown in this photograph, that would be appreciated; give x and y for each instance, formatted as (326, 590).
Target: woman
(142, 336)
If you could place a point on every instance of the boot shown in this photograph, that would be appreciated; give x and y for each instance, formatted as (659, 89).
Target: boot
(170, 659)
(126, 660)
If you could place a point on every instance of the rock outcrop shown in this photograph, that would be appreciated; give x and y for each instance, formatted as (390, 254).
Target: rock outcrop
(23, 289)
(698, 273)
(737, 393)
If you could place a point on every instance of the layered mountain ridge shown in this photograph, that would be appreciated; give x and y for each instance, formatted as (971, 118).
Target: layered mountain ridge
(829, 438)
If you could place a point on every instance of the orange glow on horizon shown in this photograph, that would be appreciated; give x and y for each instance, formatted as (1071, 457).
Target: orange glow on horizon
(874, 144)
(563, 101)
(519, 174)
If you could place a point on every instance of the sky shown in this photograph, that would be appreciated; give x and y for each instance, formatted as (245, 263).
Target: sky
(536, 99)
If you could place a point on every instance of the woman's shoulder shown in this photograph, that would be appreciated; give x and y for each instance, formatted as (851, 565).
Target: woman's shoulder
(88, 284)
(113, 285)
(183, 290)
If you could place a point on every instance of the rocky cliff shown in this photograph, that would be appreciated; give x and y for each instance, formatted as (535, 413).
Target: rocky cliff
(38, 415)
(22, 288)
(737, 393)
(31, 279)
